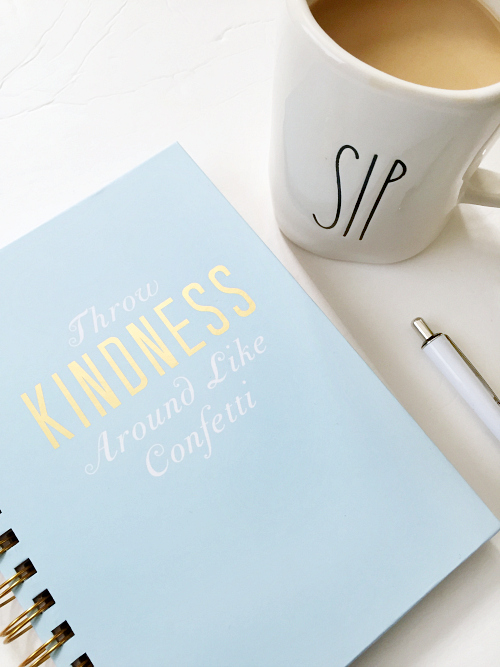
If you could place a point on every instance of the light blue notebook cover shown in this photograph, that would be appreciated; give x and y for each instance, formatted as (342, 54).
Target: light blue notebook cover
(201, 469)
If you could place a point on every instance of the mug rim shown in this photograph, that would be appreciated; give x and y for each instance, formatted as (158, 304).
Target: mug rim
(300, 9)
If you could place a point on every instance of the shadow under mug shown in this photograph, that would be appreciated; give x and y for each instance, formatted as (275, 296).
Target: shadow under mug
(365, 166)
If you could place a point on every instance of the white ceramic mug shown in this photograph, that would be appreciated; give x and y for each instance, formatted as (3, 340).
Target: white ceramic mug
(365, 166)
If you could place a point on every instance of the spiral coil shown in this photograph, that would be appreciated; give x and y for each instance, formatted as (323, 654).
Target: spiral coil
(41, 602)
(7, 541)
(22, 623)
(24, 571)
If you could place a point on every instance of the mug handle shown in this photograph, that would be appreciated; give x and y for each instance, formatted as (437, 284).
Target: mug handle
(483, 188)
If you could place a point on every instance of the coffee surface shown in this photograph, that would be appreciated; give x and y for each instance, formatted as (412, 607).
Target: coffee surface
(453, 44)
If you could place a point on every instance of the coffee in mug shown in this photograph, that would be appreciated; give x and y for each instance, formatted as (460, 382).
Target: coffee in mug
(452, 44)
(378, 128)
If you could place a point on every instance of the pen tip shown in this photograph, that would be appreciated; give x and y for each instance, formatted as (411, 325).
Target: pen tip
(422, 328)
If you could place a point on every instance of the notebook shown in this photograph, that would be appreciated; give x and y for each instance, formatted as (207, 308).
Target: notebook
(198, 466)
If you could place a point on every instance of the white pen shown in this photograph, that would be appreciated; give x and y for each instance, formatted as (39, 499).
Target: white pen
(459, 371)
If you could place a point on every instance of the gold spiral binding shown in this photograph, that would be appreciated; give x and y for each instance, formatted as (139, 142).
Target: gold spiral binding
(24, 571)
(4, 540)
(7, 540)
(61, 634)
(22, 623)
(41, 603)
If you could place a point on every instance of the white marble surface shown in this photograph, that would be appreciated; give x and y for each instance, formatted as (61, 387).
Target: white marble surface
(90, 89)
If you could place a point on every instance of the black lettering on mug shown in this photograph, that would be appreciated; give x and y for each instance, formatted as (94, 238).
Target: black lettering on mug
(391, 178)
(361, 193)
(386, 183)
(339, 189)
